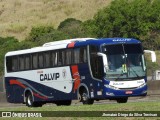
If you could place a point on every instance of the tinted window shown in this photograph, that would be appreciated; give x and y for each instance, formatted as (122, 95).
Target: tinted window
(123, 48)
(21, 62)
(40, 60)
(61, 58)
(34, 61)
(76, 57)
(9, 64)
(68, 57)
(133, 48)
(15, 63)
(54, 58)
(114, 49)
(47, 59)
(83, 55)
(27, 62)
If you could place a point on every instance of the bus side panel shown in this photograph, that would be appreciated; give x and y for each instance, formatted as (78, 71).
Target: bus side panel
(16, 87)
(14, 93)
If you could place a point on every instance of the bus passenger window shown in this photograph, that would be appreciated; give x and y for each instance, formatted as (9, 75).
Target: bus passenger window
(61, 58)
(9, 64)
(27, 62)
(47, 59)
(21, 62)
(40, 60)
(54, 58)
(83, 55)
(14, 63)
(68, 56)
(34, 61)
(76, 55)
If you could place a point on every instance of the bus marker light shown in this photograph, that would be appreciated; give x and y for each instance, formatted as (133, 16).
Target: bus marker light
(99, 92)
(92, 94)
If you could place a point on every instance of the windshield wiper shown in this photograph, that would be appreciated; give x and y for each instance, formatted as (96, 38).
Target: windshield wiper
(119, 76)
(134, 72)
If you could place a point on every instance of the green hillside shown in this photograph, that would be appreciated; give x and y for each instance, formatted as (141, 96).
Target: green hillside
(35, 22)
(17, 17)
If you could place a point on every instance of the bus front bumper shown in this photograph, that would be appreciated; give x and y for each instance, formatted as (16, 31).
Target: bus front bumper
(111, 92)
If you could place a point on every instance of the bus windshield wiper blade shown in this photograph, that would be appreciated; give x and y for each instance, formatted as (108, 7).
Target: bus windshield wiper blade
(135, 72)
(119, 76)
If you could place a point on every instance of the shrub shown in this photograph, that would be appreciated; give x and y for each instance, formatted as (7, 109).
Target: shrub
(72, 27)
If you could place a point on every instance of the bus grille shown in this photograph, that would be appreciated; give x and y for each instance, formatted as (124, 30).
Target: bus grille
(128, 88)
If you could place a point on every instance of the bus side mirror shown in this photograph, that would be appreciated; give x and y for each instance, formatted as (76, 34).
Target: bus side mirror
(105, 62)
(153, 55)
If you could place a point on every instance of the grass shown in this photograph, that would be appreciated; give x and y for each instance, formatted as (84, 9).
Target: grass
(128, 107)
(16, 28)
(132, 106)
(34, 12)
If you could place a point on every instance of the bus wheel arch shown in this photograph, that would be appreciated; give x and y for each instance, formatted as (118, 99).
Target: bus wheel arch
(29, 99)
(26, 92)
(83, 95)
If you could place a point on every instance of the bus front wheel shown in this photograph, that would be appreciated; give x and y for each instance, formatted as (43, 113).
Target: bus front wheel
(85, 97)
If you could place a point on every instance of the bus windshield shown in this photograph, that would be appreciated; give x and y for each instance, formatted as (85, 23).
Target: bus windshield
(125, 61)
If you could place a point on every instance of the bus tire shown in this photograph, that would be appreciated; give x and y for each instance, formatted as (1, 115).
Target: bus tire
(30, 102)
(85, 98)
(122, 100)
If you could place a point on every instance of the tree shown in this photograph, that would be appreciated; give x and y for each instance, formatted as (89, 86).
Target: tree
(127, 18)
(39, 31)
(42, 34)
(151, 66)
(53, 36)
(72, 27)
(6, 44)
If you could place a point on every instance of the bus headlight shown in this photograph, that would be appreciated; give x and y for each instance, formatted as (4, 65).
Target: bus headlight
(111, 87)
(142, 85)
(109, 94)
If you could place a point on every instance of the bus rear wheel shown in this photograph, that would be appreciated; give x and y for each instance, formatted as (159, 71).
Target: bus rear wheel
(85, 97)
(30, 102)
(122, 100)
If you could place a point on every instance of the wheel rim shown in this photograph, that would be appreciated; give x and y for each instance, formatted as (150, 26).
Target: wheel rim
(29, 100)
(84, 97)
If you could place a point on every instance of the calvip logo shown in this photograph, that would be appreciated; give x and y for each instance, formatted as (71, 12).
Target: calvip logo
(6, 114)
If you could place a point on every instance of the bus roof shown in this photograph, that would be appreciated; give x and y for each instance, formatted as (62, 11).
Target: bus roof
(61, 44)
(108, 41)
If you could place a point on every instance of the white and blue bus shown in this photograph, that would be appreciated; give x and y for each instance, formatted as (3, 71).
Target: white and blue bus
(87, 69)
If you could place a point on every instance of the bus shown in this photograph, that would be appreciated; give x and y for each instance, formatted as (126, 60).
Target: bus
(84, 69)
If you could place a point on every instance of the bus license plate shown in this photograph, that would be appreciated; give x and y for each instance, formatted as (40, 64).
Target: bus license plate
(129, 92)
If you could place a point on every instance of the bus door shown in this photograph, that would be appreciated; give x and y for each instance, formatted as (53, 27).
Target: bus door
(97, 69)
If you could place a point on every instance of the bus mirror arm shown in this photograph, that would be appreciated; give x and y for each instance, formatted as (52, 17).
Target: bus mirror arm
(105, 62)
